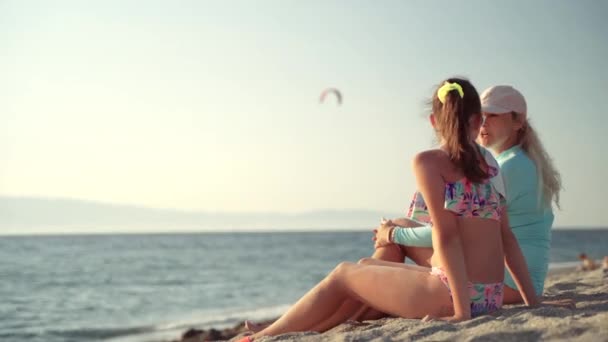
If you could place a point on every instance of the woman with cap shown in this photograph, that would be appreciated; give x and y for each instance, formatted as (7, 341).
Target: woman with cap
(532, 185)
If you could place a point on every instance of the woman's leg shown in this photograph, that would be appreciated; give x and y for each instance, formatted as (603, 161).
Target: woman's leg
(359, 311)
(351, 308)
(420, 255)
(355, 310)
(392, 253)
(341, 315)
(406, 293)
(329, 304)
(511, 296)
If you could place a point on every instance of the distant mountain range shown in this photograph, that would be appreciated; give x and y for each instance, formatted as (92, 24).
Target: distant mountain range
(24, 215)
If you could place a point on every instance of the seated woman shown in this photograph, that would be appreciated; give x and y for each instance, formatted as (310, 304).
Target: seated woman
(471, 238)
(532, 184)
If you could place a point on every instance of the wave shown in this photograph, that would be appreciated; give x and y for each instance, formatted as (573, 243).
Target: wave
(217, 319)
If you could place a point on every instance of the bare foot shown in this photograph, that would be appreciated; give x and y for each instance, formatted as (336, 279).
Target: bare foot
(255, 327)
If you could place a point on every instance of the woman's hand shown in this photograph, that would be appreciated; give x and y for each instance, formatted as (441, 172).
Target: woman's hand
(382, 233)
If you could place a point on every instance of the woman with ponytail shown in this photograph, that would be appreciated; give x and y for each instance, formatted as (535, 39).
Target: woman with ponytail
(460, 195)
(532, 186)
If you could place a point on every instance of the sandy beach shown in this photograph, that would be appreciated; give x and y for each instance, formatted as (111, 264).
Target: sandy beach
(588, 321)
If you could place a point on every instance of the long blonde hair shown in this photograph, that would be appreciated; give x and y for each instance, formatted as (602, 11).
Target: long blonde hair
(550, 181)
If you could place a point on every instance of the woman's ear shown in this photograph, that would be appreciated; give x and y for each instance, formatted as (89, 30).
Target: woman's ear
(432, 120)
(518, 122)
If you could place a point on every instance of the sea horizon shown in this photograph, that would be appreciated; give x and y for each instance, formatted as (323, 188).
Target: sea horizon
(236, 231)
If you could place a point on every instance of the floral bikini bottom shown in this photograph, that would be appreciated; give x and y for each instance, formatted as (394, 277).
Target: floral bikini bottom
(485, 298)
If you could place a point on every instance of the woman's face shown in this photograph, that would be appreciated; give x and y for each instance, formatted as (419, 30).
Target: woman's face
(498, 131)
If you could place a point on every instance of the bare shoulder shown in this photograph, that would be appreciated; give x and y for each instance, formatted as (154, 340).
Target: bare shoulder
(430, 159)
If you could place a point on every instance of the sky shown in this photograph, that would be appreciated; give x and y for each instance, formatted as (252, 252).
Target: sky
(213, 105)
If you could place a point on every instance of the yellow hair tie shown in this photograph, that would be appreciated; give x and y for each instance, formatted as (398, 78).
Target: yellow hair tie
(448, 87)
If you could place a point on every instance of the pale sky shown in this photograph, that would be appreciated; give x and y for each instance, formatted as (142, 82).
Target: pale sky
(213, 105)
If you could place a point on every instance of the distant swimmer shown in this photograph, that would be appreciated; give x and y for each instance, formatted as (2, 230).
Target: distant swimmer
(605, 266)
(587, 264)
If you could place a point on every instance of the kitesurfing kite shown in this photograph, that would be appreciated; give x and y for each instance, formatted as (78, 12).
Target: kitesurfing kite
(333, 91)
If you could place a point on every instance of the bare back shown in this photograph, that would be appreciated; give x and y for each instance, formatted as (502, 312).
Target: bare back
(481, 237)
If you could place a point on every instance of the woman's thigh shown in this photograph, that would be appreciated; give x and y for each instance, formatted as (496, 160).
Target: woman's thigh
(397, 253)
(389, 253)
(405, 292)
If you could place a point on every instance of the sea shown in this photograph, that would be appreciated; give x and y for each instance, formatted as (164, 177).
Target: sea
(153, 287)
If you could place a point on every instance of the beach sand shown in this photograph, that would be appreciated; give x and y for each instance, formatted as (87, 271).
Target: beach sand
(588, 321)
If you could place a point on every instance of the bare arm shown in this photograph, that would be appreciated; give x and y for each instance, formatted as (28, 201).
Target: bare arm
(516, 263)
(446, 236)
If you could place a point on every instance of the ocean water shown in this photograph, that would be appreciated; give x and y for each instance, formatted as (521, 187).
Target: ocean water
(135, 288)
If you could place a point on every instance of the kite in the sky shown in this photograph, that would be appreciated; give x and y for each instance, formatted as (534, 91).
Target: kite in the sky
(333, 91)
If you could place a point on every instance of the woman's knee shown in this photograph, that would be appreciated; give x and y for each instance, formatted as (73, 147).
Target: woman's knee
(389, 253)
(365, 261)
(344, 266)
(342, 269)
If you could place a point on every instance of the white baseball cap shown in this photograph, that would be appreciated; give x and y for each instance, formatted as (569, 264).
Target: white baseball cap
(502, 99)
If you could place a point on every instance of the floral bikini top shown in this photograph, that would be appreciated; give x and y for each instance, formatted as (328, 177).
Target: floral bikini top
(467, 199)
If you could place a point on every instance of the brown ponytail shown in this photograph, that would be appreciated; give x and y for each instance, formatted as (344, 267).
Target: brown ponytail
(453, 118)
